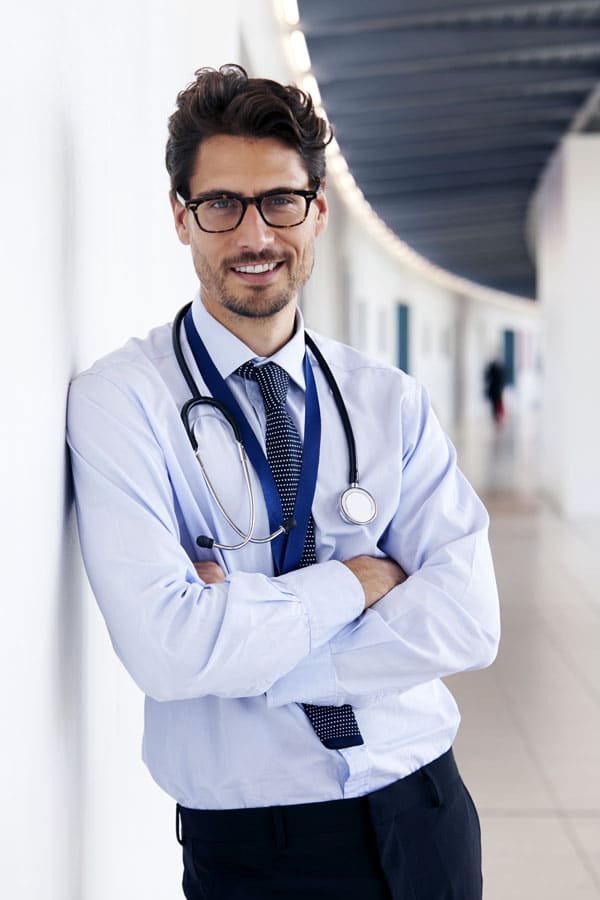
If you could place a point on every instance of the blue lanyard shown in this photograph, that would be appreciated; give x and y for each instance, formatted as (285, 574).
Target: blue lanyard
(286, 549)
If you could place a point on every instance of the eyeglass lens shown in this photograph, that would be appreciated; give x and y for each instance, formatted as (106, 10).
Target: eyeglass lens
(279, 210)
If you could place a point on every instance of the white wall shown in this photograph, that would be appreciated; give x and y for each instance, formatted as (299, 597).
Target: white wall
(567, 225)
(354, 294)
(41, 619)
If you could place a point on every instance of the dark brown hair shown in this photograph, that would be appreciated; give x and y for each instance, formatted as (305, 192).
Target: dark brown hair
(226, 101)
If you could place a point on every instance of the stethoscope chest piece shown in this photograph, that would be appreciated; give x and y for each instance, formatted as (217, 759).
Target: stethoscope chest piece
(357, 506)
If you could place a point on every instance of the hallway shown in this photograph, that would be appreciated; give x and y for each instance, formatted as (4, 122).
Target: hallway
(529, 745)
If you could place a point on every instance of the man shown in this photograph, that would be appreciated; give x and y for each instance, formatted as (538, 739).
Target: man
(494, 386)
(294, 707)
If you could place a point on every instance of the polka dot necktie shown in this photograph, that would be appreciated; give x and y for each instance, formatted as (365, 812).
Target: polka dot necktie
(335, 726)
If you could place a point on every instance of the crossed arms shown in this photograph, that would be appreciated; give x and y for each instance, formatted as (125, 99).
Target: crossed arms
(376, 576)
(332, 632)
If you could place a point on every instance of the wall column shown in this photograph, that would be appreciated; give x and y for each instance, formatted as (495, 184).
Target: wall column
(567, 229)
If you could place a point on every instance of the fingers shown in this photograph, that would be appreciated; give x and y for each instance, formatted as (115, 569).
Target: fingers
(209, 572)
(377, 576)
(400, 574)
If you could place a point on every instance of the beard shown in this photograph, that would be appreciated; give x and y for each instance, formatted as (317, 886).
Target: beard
(257, 306)
(254, 301)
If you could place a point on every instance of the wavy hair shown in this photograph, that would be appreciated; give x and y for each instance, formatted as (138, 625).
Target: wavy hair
(226, 101)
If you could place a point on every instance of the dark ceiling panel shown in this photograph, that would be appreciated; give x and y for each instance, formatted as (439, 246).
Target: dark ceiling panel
(448, 111)
(334, 16)
(404, 47)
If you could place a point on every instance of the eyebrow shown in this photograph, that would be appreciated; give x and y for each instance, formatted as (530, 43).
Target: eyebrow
(218, 192)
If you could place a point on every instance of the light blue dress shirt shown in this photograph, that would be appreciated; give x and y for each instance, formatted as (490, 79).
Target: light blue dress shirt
(225, 667)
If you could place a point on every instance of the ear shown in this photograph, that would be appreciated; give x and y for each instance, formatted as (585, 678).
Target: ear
(181, 218)
(320, 204)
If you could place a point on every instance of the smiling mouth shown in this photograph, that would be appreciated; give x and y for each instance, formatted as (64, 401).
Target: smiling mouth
(258, 269)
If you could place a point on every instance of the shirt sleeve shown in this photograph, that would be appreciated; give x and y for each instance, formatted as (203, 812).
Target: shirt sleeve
(178, 637)
(444, 618)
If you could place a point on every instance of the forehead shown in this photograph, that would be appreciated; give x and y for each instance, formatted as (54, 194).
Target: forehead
(246, 165)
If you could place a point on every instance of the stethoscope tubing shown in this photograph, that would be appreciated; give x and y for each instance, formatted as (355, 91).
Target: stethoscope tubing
(198, 398)
(346, 501)
(341, 407)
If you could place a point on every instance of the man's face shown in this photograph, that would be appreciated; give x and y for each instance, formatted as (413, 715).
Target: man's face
(247, 166)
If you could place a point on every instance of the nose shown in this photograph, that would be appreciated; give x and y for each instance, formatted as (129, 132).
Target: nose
(253, 233)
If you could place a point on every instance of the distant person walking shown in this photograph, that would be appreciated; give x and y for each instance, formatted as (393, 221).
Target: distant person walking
(494, 387)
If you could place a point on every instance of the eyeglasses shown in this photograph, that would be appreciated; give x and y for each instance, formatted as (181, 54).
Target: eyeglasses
(224, 212)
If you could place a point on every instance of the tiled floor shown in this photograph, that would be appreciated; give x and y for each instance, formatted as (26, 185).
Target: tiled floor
(529, 745)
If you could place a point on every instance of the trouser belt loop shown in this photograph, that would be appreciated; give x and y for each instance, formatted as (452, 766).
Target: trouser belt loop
(178, 835)
(279, 828)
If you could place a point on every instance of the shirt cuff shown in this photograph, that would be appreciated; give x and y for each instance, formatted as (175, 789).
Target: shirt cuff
(313, 680)
(331, 595)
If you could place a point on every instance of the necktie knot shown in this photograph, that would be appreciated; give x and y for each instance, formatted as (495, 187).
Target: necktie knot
(272, 381)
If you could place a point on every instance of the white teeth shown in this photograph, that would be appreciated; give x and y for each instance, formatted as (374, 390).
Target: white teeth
(256, 270)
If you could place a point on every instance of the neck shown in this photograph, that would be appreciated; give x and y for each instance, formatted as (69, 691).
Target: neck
(264, 335)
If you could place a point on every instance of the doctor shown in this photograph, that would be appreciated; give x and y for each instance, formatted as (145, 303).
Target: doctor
(294, 704)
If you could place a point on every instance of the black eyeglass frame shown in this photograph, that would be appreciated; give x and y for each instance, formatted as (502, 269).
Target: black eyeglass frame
(256, 201)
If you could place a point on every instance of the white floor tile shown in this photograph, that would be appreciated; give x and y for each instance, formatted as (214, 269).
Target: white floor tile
(529, 744)
(586, 833)
(532, 858)
(493, 756)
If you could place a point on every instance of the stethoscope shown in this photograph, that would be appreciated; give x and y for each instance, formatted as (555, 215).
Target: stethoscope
(356, 505)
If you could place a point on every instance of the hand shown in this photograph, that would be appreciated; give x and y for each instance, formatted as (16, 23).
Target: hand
(377, 576)
(209, 572)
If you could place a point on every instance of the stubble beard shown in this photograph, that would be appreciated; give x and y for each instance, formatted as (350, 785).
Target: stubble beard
(255, 306)
(253, 301)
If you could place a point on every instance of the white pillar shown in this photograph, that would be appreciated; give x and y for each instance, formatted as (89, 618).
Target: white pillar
(567, 240)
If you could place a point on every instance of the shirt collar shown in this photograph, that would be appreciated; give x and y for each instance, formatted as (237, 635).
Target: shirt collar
(228, 352)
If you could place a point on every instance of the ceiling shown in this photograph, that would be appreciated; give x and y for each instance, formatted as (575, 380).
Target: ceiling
(448, 110)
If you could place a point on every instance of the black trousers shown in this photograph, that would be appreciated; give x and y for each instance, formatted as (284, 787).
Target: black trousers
(417, 839)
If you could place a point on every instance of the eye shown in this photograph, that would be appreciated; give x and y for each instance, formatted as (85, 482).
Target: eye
(222, 203)
(279, 200)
